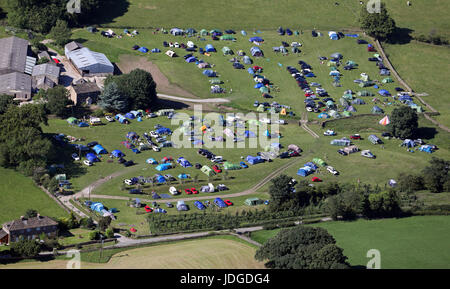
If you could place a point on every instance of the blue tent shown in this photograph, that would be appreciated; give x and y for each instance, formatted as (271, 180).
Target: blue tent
(384, 92)
(163, 167)
(426, 148)
(312, 165)
(163, 130)
(304, 171)
(98, 207)
(258, 85)
(219, 202)
(191, 59)
(256, 39)
(254, 160)
(323, 115)
(117, 153)
(183, 176)
(129, 115)
(83, 124)
(156, 50)
(98, 149)
(160, 178)
(209, 48)
(184, 162)
(250, 70)
(209, 73)
(92, 157)
(249, 134)
(143, 49)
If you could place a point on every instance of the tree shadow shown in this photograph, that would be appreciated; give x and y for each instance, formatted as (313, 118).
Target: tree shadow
(110, 10)
(165, 103)
(80, 40)
(426, 132)
(400, 36)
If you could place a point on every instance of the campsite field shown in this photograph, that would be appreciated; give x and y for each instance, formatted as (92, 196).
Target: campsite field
(18, 194)
(408, 243)
(191, 254)
(238, 83)
(422, 16)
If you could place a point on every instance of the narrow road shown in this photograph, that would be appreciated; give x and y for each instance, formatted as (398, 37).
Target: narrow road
(304, 125)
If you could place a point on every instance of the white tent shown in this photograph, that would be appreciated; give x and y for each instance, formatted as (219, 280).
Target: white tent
(384, 121)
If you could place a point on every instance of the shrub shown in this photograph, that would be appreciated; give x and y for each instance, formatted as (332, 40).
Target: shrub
(95, 235)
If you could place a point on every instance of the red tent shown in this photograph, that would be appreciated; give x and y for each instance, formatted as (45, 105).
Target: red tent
(133, 230)
(316, 179)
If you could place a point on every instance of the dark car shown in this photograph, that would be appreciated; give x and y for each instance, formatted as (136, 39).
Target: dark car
(92, 144)
(341, 152)
(386, 134)
(128, 163)
(198, 166)
(121, 160)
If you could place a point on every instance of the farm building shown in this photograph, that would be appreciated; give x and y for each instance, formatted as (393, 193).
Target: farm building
(84, 92)
(28, 228)
(16, 84)
(45, 76)
(87, 62)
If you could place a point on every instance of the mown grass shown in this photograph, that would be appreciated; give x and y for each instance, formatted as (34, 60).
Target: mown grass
(18, 194)
(407, 243)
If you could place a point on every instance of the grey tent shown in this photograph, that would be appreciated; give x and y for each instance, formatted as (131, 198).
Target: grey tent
(247, 60)
(376, 110)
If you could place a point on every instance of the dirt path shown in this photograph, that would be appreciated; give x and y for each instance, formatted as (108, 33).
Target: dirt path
(304, 125)
(129, 62)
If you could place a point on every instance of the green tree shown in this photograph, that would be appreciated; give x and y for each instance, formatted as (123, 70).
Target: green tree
(302, 248)
(104, 223)
(138, 86)
(382, 205)
(347, 204)
(25, 248)
(61, 33)
(436, 175)
(30, 213)
(5, 102)
(109, 233)
(379, 25)
(57, 100)
(24, 145)
(112, 99)
(410, 182)
(404, 122)
(280, 191)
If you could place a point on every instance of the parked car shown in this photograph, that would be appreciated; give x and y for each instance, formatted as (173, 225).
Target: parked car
(244, 165)
(128, 163)
(220, 203)
(92, 144)
(156, 148)
(151, 115)
(228, 202)
(217, 159)
(187, 191)
(342, 152)
(194, 191)
(109, 118)
(169, 205)
(216, 169)
(128, 182)
(367, 154)
(221, 187)
(316, 179)
(355, 136)
(332, 170)
(88, 163)
(329, 132)
(198, 166)
(174, 191)
(75, 157)
(154, 134)
(170, 178)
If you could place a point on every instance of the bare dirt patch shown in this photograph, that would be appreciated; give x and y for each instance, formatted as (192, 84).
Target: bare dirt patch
(129, 62)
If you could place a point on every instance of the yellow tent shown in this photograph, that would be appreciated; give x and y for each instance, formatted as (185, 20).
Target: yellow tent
(203, 128)
(283, 111)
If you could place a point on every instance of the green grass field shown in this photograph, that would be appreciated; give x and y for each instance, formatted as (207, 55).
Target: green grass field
(18, 193)
(192, 254)
(409, 243)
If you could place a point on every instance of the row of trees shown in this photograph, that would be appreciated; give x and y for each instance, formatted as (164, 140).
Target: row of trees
(42, 15)
(135, 90)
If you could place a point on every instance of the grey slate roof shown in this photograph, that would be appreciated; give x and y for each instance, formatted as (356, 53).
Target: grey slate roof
(46, 69)
(2, 233)
(72, 46)
(35, 222)
(15, 82)
(13, 54)
(86, 87)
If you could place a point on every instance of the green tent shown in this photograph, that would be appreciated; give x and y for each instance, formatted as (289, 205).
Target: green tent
(227, 51)
(207, 171)
(333, 68)
(387, 80)
(364, 93)
(346, 113)
(264, 89)
(319, 162)
(253, 201)
(348, 96)
(231, 166)
(350, 62)
(330, 103)
(72, 120)
(227, 37)
(204, 32)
